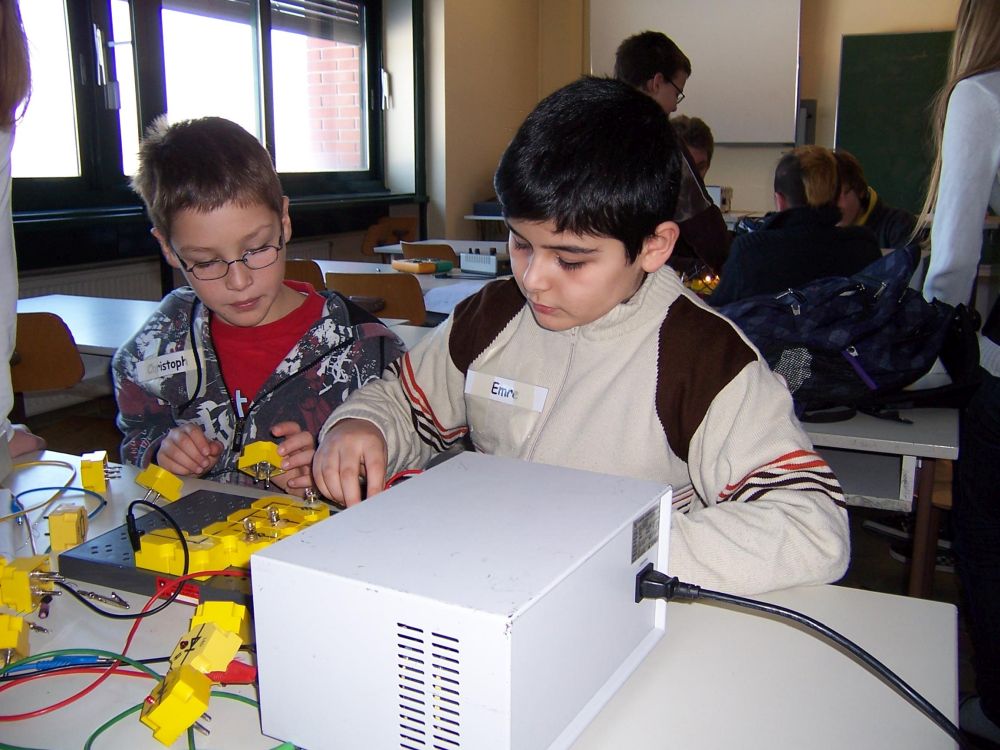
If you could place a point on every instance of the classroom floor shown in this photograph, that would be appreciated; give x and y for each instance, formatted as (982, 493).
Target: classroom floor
(90, 426)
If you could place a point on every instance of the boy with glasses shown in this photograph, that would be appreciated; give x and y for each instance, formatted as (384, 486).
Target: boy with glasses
(240, 354)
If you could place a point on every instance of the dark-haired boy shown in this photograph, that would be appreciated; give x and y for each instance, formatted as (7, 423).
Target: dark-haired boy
(240, 355)
(594, 356)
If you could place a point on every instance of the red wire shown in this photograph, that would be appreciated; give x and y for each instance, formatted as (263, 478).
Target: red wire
(165, 591)
(399, 475)
(70, 670)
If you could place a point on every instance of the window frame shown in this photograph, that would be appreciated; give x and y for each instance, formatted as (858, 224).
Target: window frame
(102, 190)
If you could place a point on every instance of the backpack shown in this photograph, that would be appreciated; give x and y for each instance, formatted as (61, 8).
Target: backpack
(854, 343)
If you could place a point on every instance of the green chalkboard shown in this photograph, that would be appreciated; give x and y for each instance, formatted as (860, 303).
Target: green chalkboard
(887, 82)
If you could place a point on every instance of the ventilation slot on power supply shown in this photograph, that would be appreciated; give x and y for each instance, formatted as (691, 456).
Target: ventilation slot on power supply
(428, 684)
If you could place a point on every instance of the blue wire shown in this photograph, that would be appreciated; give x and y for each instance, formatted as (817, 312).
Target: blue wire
(16, 506)
(53, 663)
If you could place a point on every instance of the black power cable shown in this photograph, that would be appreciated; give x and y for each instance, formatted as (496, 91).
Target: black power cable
(652, 584)
(133, 535)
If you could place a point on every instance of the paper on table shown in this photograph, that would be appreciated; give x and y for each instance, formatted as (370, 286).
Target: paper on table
(442, 299)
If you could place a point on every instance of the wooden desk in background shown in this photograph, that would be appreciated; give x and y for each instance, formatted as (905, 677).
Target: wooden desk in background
(99, 324)
(719, 678)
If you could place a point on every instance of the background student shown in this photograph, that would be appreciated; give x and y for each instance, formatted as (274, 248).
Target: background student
(964, 181)
(801, 242)
(240, 354)
(861, 206)
(652, 63)
(15, 88)
(594, 356)
(698, 140)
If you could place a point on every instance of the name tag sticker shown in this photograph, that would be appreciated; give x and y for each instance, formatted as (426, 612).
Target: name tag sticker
(523, 395)
(165, 364)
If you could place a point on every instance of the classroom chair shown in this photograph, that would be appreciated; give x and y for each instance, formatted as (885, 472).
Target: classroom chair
(388, 231)
(927, 526)
(438, 250)
(400, 293)
(45, 358)
(303, 269)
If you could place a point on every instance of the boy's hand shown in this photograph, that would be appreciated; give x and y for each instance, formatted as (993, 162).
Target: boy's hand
(297, 450)
(186, 452)
(354, 449)
(24, 441)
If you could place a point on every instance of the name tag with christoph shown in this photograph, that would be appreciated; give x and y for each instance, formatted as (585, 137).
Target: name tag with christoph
(523, 395)
(164, 365)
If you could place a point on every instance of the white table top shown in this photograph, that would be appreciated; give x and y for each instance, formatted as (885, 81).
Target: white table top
(933, 434)
(718, 679)
(441, 293)
(99, 324)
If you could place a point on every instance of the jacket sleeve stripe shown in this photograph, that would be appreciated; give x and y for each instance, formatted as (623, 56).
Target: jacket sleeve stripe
(419, 404)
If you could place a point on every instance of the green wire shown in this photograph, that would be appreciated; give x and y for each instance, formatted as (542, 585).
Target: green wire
(129, 711)
(5, 746)
(82, 651)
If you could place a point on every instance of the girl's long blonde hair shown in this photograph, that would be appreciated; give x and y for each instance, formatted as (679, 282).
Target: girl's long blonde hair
(15, 69)
(975, 49)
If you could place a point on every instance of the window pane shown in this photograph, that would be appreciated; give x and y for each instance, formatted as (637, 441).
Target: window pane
(210, 68)
(128, 115)
(46, 143)
(317, 62)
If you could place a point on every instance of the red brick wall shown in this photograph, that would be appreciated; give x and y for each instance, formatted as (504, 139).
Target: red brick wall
(334, 105)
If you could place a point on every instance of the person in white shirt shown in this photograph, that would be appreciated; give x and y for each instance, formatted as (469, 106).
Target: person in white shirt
(15, 87)
(964, 182)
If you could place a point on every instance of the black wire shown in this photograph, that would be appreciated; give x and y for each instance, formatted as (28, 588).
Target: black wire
(170, 597)
(912, 695)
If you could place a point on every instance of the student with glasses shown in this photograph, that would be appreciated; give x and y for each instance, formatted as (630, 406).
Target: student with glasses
(240, 354)
(651, 62)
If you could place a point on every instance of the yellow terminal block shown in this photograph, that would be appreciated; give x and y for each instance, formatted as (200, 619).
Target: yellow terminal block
(227, 615)
(295, 511)
(261, 461)
(93, 471)
(207, 647)
(160, 482)
(23, 581)
(67, 526)
(176, 703)
(160, 550)
(13, 639)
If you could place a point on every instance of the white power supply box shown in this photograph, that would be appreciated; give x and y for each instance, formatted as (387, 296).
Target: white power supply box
(488, 603)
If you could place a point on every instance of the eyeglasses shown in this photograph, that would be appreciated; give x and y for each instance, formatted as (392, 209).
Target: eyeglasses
(680, 92)
(255, 260)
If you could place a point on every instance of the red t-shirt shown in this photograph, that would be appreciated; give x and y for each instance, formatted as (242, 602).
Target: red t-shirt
(248, 356)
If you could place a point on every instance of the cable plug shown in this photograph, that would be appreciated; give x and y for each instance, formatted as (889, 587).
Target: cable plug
(133, 532)
(652, 584)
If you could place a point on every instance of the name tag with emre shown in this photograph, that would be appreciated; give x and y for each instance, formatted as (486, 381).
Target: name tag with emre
(522, 395)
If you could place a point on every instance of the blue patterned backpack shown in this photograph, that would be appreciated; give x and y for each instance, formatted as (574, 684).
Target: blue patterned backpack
(858, 341)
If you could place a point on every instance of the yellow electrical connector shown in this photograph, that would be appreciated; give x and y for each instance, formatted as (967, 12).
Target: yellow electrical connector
(93, 471)
(160, 550)
(23, 581)
(207, 647)
(227, 615)
(294, 511)
(176, 703)
(67, 526)
(13, 639)
(261, 461)
(160, 483)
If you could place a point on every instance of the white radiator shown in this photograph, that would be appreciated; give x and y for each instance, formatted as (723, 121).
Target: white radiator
(128, 280)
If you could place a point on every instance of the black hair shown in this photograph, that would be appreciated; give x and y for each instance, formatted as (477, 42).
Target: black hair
(596, 157)
(643, 55)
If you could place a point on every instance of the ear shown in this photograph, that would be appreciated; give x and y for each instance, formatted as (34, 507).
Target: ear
(286, 222)
(659, 246)
(168, 253)
(780, 201)
(653, 84)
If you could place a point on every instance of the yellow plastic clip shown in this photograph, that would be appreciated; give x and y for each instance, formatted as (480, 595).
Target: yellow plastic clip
(24, 581)
(261, 461)
(176, 703)
(13, 639)
(160, 482)
(93, 471)
(67, 526)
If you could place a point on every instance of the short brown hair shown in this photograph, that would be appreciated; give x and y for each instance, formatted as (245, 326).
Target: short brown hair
(695, 133)
(852, 176)
(202, 165)
(807, 176)
(643, 55)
